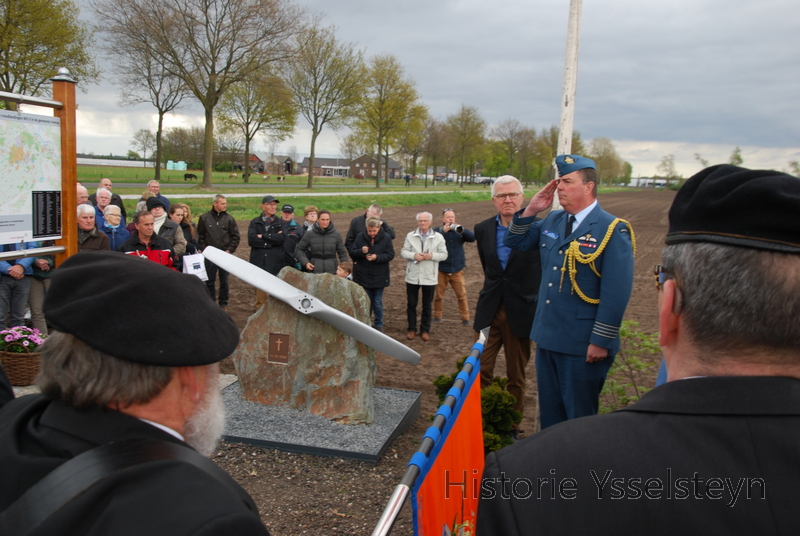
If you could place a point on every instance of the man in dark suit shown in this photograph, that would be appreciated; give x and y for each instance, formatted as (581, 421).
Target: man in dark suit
(587, 278)
(507, 301)
(714, 450)
(138, 396)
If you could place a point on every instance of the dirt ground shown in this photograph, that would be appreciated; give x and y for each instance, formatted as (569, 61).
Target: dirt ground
(303, 494)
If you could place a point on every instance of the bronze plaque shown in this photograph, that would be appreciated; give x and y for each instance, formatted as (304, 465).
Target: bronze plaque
(278, 348)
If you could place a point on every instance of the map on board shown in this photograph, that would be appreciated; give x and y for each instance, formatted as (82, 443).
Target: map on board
(30, 177)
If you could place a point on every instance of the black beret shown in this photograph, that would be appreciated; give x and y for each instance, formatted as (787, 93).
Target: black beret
(738, 207)
(153, 202)
(134, 309)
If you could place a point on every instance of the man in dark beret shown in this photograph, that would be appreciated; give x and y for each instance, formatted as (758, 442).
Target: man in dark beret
(714, 450)
(139, 400)
(587, 278)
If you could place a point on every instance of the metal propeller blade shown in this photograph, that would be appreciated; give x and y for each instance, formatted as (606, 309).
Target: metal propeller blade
(309, 305)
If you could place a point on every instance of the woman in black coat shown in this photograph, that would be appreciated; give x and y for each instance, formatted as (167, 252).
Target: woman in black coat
(371, 253)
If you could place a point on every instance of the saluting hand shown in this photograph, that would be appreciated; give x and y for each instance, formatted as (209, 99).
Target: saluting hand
(542, 200)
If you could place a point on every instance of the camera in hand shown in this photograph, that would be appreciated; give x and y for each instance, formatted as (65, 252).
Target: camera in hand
(457, 228)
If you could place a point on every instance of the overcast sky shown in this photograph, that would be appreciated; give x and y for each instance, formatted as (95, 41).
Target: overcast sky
(657, 78)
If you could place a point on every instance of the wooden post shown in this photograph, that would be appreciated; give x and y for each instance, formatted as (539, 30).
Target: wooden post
(570, 83)
(64, 92)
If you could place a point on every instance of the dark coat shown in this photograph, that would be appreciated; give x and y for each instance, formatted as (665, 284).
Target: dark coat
(192, 246)
(456, 258)
(218, 229)
(726, 428)
(372, 274)
(359, 225)
(266, 252)
(320, 247)
(293, 234)
(94, 240)
(6, 391)
(516, 287)
(169, 497)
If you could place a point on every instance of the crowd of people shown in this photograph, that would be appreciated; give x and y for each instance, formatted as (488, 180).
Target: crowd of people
(720, 428)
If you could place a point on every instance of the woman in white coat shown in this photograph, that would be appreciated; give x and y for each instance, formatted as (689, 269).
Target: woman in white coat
(423, 249)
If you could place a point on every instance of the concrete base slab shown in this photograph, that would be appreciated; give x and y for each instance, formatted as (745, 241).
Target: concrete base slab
(290, 430)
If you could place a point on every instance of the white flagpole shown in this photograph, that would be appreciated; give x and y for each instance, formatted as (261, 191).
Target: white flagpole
(570, 82)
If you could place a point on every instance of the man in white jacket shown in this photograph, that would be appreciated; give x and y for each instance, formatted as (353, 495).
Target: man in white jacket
(423, 249)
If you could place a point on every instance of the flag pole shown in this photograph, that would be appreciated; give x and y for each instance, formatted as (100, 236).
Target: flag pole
(570, 83)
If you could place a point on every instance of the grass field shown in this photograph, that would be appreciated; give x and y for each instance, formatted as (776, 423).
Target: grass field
(250, 207)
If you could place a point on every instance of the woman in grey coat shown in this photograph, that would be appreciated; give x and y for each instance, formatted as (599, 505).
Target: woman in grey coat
(317, 251)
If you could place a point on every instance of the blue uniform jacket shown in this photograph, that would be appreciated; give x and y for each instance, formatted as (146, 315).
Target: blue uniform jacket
(564, 322)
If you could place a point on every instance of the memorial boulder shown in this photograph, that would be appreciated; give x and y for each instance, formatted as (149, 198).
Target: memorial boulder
(286, 358)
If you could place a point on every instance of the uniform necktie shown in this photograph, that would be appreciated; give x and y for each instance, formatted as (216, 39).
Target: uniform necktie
(570, 222)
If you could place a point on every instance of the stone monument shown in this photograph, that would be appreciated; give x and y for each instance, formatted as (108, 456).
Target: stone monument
(287, 358)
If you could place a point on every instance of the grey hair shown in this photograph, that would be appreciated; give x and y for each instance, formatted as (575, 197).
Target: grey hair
(373, 222)
(218, 197)
(103, 190)
(86, 208)
(82, 376)
(428, 214)
(507, 179)
(737, 300)
(152, 182)
(138, 215)
(375, 207)
(112, 208)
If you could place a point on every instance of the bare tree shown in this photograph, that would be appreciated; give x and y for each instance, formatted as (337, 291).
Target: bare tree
(144, 141)
(207, 44)
(229, 145)
(667, 167)
(325, 76)
(143, 79)
(703, 161)
(259, 103)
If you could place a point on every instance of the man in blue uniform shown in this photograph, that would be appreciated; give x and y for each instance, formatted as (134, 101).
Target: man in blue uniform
(587, 276)
(714, 450)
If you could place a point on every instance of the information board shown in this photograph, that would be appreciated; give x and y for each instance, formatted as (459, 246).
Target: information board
(30, 177)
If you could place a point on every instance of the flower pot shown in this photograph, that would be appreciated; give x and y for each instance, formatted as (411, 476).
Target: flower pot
(21, 369)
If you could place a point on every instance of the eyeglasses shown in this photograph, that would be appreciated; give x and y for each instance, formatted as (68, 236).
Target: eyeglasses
(445, 211)
(661, 273)
(512, 195)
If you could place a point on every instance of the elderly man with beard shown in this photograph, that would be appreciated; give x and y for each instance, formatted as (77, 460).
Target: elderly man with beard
(147, 406)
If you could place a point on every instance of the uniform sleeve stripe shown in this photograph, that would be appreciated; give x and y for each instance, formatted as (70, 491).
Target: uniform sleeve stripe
(516, 228)
(604, 330)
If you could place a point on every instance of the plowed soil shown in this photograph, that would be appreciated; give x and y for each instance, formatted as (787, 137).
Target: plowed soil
(302, 494)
